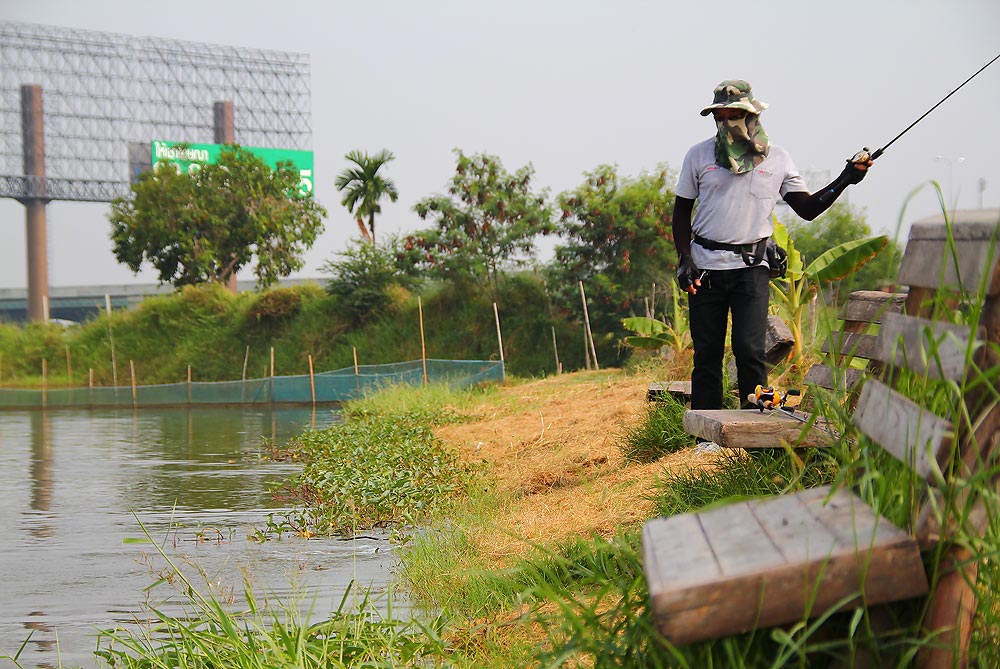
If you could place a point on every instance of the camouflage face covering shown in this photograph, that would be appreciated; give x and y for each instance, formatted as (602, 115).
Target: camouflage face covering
(741, 144)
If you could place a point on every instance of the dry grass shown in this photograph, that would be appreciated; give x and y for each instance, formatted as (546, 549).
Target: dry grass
(553, 451)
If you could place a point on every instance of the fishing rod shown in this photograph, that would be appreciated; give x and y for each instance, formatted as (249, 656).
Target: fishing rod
(864, 155)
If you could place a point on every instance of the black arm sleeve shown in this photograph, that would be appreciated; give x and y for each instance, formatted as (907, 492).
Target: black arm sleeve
(681, 225)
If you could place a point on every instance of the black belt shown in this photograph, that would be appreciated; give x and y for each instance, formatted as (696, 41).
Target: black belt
(753, 253)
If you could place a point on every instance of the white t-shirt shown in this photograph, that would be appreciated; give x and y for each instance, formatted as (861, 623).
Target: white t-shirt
(733, 208)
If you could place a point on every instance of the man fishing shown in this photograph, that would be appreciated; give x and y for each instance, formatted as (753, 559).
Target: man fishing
(725, 255)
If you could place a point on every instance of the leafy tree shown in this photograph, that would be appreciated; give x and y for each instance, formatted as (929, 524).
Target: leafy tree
(364, 278)
(201, 227)
(840, 224)
(486, 223)
(618, 242)
(363, 187)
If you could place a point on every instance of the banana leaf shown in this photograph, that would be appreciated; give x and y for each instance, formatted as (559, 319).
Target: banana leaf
(647, 342)
(645, 326)
(841, 260)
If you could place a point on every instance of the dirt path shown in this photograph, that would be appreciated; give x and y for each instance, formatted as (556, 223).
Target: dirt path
(555, 455)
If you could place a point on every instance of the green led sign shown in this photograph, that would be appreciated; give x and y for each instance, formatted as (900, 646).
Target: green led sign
(190, 157)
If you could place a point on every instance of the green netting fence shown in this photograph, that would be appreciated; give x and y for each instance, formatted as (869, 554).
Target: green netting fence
(323, 387)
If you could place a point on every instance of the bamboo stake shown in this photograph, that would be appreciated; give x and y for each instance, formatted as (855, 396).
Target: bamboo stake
(111, 338)
(131, 366)
(45, 373)
(272, 375)
(503, 364)
(423, 344)
(312, 382)
(586, 350)
(246, 359)
(586, 319)
(189, 384)
(90, 385)
(555, 348)
(69, 368)
(45, 308)
(357, 376)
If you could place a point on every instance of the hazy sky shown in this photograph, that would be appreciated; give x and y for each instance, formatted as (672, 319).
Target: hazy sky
(568, 86)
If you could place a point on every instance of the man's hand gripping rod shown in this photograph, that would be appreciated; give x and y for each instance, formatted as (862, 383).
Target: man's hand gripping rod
(865, 155)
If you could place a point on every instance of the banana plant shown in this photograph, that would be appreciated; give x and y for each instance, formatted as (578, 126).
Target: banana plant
(800, 283)
(654, 334)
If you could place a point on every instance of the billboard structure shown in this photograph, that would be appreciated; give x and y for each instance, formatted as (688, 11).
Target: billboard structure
(106, 97)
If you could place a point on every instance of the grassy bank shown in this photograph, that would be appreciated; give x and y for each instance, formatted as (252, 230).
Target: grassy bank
(531, 513)
(214, 332)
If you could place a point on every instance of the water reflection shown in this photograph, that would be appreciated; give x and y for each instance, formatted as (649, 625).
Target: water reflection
(41, 473)
(73, 483)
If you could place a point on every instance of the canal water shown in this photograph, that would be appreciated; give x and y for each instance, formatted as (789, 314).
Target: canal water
(75, 486)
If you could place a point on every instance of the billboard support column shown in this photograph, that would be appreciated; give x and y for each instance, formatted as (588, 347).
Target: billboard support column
(225, 134)
(33, 143)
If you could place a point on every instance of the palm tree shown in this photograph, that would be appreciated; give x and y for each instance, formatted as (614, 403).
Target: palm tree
(363, 188)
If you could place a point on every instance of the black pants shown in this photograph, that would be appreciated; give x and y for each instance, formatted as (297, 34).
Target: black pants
(744, 292)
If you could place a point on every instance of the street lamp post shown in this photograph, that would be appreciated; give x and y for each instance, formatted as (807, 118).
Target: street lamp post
(953, 203)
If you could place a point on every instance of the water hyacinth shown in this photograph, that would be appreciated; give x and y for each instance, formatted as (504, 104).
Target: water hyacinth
(369, 473)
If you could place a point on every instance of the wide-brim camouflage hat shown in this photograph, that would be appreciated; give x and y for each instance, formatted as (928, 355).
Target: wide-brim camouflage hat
(734, 94)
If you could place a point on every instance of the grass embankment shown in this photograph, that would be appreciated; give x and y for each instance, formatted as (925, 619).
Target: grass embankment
(529, 552)
(213, 332)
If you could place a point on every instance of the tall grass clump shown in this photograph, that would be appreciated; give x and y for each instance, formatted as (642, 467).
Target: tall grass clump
(660, 431)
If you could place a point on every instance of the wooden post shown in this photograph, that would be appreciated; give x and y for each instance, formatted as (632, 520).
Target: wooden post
(586, 320)
(131, 366)
(272, 375)
(111, 338)
(423, 343)
(312, 382)
(69, 368)
(45, 373)
(246, 359)
(503, 364)
(555, 348)
(357, 376)
(45, 308)
(189, 384)
(90, 385)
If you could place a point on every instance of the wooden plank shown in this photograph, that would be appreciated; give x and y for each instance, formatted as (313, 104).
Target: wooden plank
(749, 428)
(868, 306)
(931, 261)
(782, 590)
(679, 390)
(849, 344)
(912, 434)
(925, 346)
(852, 522)
(675, 552)
(831, 378)
(788, 522)
(739, 544)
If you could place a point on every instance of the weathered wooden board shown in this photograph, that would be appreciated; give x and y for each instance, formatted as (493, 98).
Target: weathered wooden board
(679, 390)
(915, 436)
(849, 345)
(925, 346)
(749, 428)
(772, 561)
(831, 378)
(869, 306)
(932, 261)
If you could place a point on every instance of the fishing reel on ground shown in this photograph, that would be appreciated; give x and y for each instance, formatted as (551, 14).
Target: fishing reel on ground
(768, 398)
